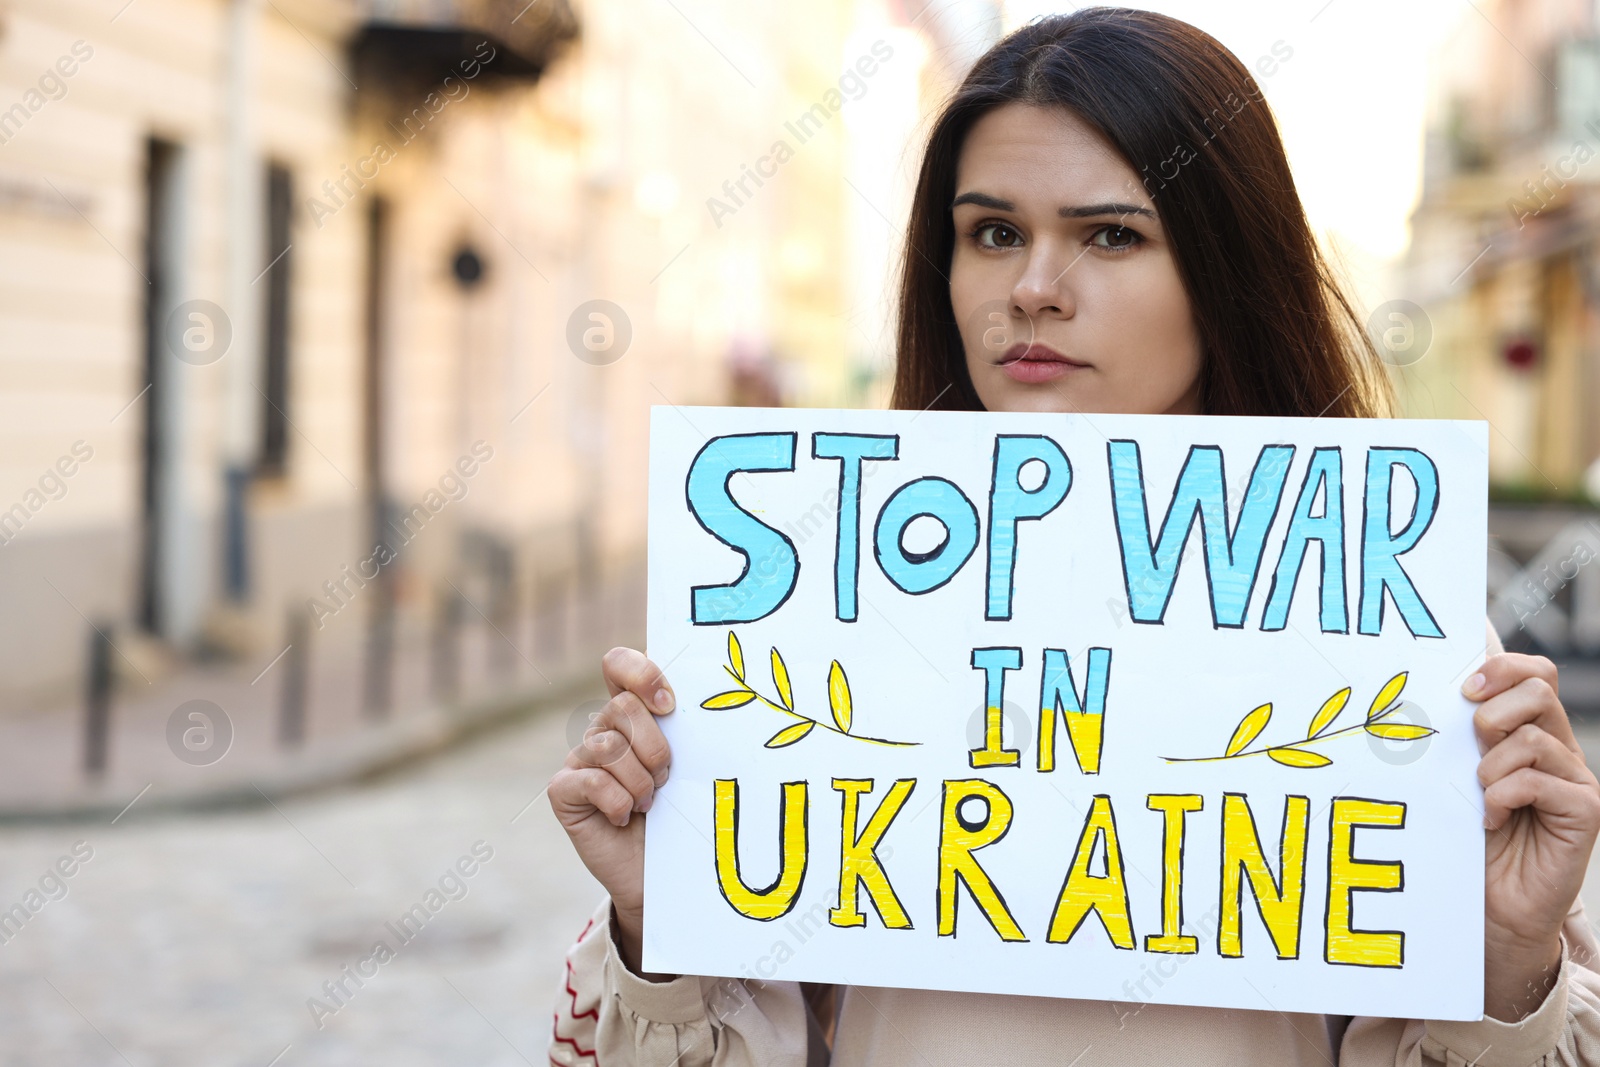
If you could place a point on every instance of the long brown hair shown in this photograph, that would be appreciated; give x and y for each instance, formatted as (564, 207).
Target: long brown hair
(1277, 334)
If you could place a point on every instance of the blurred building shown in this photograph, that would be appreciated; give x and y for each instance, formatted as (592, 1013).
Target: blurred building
(322, 308)
(1504, 261)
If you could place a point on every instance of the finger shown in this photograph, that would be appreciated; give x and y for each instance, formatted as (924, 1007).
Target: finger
(627, 714)
(629, 669)
(1568, 802)
(1529, 746)
(1531, 700)
(1505, 670)
(611, 753)
(575, 792)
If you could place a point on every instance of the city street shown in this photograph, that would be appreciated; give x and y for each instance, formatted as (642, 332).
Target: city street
(368, 368)
(199, 940)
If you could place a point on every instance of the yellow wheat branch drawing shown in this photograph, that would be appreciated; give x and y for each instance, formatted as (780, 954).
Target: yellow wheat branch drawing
(839, 701)
(1296, 753)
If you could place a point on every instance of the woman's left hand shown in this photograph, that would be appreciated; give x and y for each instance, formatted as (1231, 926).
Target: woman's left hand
(1542, 812)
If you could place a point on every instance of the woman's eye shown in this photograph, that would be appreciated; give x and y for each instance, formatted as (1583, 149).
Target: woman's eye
(1115, 238)
(997, 235)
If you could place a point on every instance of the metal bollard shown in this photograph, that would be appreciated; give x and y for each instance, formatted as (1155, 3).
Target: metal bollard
(447, 646)
(292, 697)
(378, 690)
(503, 652)
(551, 608)
(97, 718)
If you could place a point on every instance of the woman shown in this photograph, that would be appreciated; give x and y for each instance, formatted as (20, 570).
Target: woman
(1105, 222)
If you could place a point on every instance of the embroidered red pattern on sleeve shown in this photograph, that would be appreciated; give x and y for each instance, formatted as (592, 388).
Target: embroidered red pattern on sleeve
(592, 1013)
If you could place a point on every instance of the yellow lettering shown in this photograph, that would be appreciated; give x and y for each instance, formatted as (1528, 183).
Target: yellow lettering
(1085, 717)
(1365, 948)
(1173, 807)
(858, 857)
(993, 753)
(1278, 902)
(776, 899)
(994, 662)
(1106, 895)
(1084, 732)
(958, 839)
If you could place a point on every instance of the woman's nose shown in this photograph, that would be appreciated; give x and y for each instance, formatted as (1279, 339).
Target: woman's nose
(1044, 287)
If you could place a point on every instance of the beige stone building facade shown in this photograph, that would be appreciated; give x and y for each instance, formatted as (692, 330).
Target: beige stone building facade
(1504, 260)
(298, 298)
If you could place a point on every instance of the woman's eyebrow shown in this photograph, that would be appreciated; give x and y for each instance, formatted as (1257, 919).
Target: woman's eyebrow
(1084, 211)
(1088, 210)
(983, 200)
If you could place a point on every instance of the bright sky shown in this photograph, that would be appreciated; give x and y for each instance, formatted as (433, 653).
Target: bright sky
(1350, 103)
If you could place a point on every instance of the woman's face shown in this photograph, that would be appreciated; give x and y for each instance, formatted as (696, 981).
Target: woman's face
(1063, 281)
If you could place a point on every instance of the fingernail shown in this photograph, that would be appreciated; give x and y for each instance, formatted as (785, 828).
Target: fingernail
(649, 800)
(660, 777)
(1473, 684)
(663, 700)
(626, 816)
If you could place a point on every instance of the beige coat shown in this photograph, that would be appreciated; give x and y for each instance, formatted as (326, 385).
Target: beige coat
(607, 1016)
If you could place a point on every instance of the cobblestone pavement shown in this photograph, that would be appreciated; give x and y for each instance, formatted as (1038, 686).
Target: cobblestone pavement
(200, 940)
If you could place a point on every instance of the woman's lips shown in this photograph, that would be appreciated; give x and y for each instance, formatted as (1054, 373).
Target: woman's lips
(1034, 364)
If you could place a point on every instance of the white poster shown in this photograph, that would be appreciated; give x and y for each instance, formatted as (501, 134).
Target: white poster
(1152, 709)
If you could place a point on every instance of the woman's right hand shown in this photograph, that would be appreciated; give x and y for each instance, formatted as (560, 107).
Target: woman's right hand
(609, 781)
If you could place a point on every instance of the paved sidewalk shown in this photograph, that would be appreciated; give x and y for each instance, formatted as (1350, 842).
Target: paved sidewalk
(209, 735)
